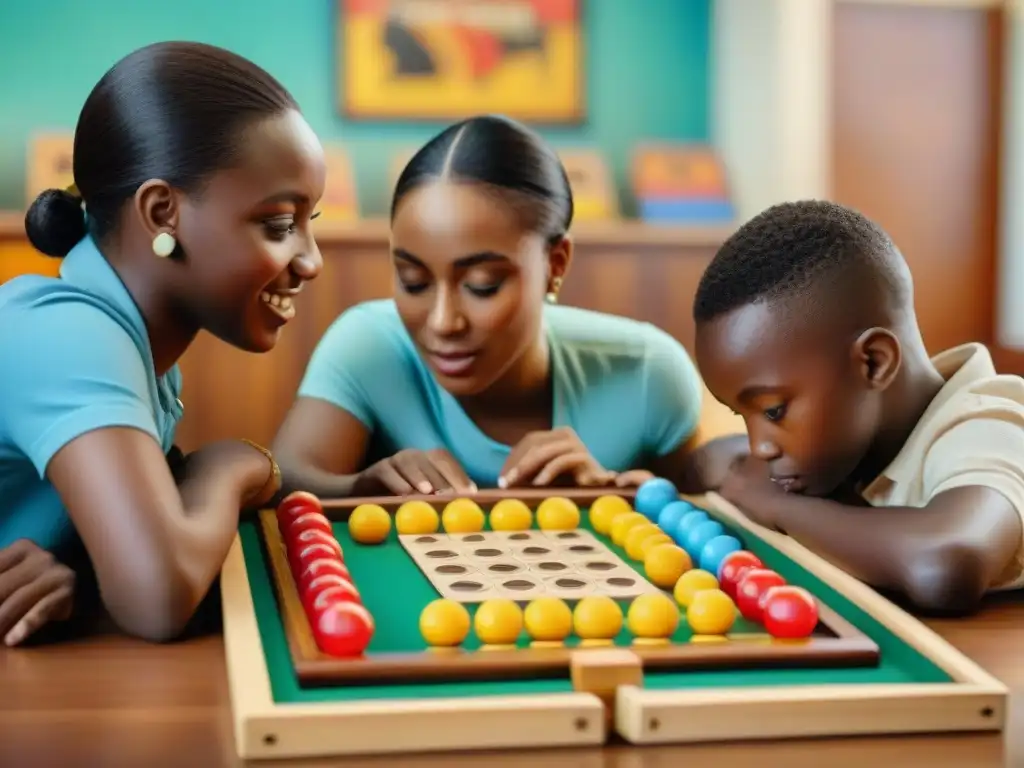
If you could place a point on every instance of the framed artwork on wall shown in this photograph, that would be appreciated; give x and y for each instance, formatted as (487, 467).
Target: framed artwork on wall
(440, 60)
(49, 164)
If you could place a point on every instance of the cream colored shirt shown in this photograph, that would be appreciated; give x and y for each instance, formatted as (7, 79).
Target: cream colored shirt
(971, 434)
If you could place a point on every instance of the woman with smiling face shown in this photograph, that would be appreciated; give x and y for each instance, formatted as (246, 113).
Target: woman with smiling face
(473, 376)
(196, 178)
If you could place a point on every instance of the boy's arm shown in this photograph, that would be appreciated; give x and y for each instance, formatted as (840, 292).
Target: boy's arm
(942, 557)
(697, 468)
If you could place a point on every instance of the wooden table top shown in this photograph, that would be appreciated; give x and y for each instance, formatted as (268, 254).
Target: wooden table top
(103, 701)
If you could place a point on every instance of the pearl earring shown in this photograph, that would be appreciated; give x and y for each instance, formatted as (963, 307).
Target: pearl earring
(164, 244)
(556, 286)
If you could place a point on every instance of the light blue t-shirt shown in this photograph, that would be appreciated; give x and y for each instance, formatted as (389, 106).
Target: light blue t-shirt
(627, 388)
(74, 357)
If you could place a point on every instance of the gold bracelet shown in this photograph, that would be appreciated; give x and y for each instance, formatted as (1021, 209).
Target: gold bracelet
(275, 471)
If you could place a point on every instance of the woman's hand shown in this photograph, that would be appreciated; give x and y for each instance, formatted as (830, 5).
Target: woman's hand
(542, 458)
(633, 478)
(410, 472)
(35, 589)
(256, 472)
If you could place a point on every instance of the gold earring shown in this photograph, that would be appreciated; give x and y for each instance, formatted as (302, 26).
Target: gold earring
(556, 286)
(164, 244)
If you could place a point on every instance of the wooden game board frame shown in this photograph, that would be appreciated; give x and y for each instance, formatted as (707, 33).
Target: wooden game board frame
(973, 701)
(848, 647)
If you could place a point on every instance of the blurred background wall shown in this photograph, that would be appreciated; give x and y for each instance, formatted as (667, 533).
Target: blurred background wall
(678, 118)
(646, 72)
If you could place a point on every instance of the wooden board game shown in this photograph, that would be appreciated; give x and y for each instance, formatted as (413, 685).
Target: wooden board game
(836, 642)
(289, 701)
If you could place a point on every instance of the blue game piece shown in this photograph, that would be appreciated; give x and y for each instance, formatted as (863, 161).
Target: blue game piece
(671, 514)
(653, 496)
(687, 523)
(700, 535)
(716, 550)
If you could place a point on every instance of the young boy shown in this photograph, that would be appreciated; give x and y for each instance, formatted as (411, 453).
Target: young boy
(905, 470)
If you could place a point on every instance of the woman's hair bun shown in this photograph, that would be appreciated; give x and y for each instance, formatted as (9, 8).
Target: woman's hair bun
(55, 222)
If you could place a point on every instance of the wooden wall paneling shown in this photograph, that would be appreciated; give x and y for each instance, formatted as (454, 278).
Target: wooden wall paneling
(916, 126)
(17, 256)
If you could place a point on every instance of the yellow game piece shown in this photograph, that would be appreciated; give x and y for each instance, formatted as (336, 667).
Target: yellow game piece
(558, 513)
(652, 616)
(369, 524)
(708, 639)
(692, 582)
(597, 619)
(623, 523)
(548, 619)
(444, 623)
(498, 622)
(654, 541)
(416, 518)
(511, 515)
(711, 612)
(604, 510)
(665, 564)
(462, 516)
(636, 536)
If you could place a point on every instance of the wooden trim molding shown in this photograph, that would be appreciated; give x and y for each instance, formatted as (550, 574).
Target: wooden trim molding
(621, 232)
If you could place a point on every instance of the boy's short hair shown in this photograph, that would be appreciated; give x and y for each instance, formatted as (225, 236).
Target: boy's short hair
(792, 249)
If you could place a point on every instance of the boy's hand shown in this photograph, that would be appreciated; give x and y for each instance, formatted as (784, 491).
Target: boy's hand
(748, 485)
(34, 589)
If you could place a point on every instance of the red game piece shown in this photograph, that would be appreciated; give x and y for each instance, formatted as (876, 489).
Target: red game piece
(343, 629)
(734, 567)
(295, 504)
(301, 557)
(789, 612)
(322, 582)
(328, 589)
(315, 536)
(307, 521)
(752, 588)
(321, 567)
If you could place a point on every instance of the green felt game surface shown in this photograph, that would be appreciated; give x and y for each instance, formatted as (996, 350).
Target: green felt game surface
(395, 591)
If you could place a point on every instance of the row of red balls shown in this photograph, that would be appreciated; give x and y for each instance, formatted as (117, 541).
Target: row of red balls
(341, 624)
(763, 596)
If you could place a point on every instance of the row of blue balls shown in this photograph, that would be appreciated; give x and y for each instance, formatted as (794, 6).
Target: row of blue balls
(704, 540)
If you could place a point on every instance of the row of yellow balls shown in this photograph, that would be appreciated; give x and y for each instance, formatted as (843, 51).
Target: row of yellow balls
(664, 561)
(709, 610)
(650, 617)
(371, 523)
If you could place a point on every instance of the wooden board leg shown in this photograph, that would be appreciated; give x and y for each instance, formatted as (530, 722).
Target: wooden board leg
(601, 672)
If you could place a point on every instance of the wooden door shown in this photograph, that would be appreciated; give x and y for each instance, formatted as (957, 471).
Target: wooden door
(916, 116)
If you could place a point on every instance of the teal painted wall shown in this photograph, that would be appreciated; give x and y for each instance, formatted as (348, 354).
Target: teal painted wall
(647, 72)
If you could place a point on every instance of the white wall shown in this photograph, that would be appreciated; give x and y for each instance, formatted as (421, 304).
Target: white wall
(770, 119)
(1010, 317)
